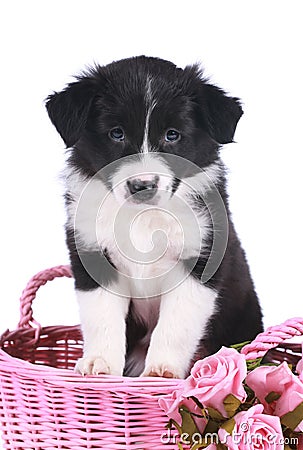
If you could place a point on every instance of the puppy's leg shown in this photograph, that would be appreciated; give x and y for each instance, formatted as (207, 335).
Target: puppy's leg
(102, 313)
(184, 313)
(103, 322)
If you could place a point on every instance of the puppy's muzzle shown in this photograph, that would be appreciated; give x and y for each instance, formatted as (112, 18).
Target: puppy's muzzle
(143, 189)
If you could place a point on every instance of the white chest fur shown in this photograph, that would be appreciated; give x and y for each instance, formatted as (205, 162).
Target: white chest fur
(145, 243)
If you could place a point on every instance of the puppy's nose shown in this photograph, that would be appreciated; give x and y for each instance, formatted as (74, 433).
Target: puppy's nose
(143, 189)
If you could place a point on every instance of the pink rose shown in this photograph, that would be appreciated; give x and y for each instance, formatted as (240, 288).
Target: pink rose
(299, 367)
(281, 380)
(253, 430)
(213, 378)
(291, 397)
(171, 403)
(266, 379)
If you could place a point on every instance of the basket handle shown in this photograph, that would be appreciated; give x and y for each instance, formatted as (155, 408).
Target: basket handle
(29, 294)
(272, 337)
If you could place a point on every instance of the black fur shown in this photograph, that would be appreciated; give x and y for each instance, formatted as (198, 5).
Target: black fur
(99, 264)
(207, 118)
(85, 111)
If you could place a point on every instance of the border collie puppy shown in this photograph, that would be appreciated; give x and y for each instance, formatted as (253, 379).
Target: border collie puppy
(160, 276)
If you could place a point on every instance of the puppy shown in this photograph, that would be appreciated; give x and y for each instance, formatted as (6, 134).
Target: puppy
(160, 276)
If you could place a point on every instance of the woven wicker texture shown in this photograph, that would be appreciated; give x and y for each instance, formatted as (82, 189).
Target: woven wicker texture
(45, 405)
(272, 343)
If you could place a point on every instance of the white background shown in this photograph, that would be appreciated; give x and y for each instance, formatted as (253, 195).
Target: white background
(251, 49)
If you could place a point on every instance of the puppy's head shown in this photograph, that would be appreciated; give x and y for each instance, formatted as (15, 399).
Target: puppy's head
(133, 116)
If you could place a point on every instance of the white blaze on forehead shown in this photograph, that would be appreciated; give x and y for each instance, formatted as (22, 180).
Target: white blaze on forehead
(150, 105)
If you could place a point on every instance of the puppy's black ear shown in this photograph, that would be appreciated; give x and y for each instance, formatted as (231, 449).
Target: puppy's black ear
(220, 113)
(68, 109)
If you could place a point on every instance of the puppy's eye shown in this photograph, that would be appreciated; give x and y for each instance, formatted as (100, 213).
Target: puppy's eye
(116, 134)
(172, 135)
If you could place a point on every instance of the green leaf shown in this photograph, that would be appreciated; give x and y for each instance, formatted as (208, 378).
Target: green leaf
(221, 447)
(272, 396)
(188, 424)
(212, 426)
(180, 446)
(214, 414)
(251, 396)
(229, 425)
(231, 404)
(169, 424)
(253, 363)
(293, 418)
(239, 346)
(199, 445)
(173, 423)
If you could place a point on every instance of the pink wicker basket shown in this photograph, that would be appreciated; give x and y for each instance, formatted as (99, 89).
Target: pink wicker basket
(45, 405)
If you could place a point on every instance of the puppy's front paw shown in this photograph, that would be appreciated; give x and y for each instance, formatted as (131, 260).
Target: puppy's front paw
(161, 370)
(92, 365)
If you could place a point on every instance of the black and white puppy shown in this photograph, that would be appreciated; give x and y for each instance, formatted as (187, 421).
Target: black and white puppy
(147, 210)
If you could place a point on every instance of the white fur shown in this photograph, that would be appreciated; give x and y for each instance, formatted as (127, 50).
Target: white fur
(144, 166)
(145, 242)
(150, 104)
(103, 325)
(184, 313)
(91, 198)
(202, 181)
